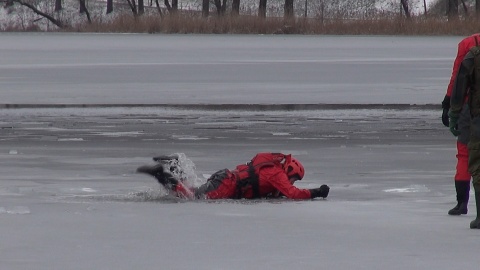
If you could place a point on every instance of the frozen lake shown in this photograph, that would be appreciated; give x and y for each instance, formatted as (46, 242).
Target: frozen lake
(222, 69)
(69, 197)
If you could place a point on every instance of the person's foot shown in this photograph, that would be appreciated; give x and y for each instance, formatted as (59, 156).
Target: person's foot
(164, 178)
(459, 209)
(475, 224)
(165, 158)
(152, 170)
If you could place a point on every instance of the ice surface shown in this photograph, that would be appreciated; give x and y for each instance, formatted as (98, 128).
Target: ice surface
(223, 69)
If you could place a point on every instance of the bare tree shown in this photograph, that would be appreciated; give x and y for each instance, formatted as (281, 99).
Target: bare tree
(306, 9)
(173, 8)
(167, 4)
(452, 9)
(36, 11)
(235, 7)
(206, 8)
(288, 9)
(221, 6)
(109, 6)
(158, 8)
(465, 8)
(174, 5)
(477, 8)
(133, 6)
(405, 8)
(262, 9)
(141, 7)
(83, 9)
(58, 5)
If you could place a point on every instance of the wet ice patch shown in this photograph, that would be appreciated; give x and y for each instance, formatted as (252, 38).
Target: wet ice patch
(188, 137)
(232, 214)
(150, 195)
(281, 133)
(334, 136)
(119, 134)
(19, 210)
(70, 140)
(10, 191)
(306, 138)
(82, 189)
(352, 186)
(409, 189)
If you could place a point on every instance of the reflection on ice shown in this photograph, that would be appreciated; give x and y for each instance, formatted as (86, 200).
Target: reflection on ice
(160, 196)
(19, 210)
(412, 188)
(150, 195)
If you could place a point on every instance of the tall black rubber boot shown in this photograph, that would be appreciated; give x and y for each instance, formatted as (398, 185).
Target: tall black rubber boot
(170, 182)
(475, 224)
(164, 178)
(463, 192)
(155, 171)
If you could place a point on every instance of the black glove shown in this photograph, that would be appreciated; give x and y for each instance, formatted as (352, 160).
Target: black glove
(453, 123)
(322, 191)
(446, 107)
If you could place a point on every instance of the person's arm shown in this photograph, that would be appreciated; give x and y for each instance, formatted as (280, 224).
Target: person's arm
(462, 83)
(279, 180)
(461, 52)
(459, 92)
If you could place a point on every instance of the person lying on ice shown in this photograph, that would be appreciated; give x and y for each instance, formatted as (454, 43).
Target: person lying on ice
(266, 175)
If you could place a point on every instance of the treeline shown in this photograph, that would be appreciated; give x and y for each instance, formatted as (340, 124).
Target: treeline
(228, 15)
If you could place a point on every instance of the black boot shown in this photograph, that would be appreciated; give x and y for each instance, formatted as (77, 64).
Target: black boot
(170, 181)
(151, 169)
(463, 191)
(164, 158)
(155, 171)
(164, 178)
(475, 224)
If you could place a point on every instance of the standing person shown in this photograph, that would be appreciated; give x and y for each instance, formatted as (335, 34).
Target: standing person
(462, 176)
(467, 84)
(266, 175)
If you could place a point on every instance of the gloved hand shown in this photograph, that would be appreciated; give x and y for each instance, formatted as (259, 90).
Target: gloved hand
(453, 121)
(445, 107)
(322, 191)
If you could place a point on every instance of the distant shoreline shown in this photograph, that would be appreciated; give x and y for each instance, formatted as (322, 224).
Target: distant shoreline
(235, 107)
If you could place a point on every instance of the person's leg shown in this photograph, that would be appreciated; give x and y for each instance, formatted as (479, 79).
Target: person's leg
(462, 176)
(474, 166)
(171, 163)
(156, 171)
(462, 181)
(220, 185)
(167, 179)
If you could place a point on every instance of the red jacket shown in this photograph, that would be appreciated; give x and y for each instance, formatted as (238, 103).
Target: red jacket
(463, 47)
(273, 179)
